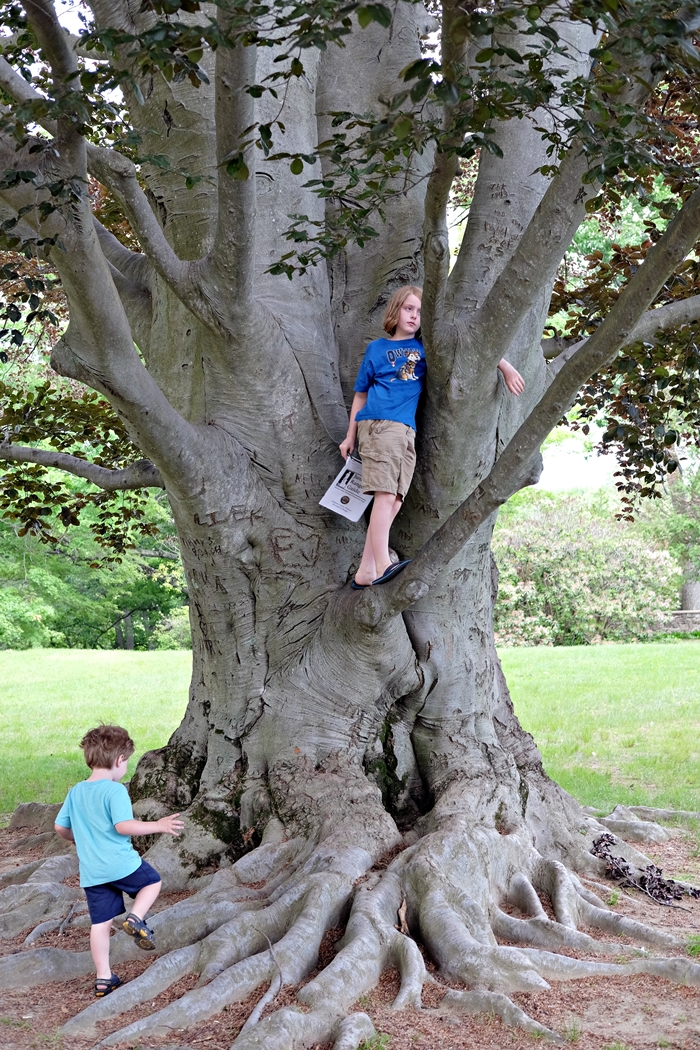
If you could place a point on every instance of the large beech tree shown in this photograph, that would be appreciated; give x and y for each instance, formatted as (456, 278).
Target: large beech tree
(328, 728)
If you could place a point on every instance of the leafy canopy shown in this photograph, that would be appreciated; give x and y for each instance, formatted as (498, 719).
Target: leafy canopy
(495, 62)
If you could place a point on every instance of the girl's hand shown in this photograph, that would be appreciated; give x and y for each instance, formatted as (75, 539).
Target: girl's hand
(346, 447)
(514, 381)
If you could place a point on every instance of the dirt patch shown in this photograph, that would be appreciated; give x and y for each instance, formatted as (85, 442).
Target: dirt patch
(602, 1013)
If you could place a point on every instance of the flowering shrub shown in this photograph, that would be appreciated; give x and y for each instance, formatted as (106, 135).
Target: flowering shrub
(569, 576)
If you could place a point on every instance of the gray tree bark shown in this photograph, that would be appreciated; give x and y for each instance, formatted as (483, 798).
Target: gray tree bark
(325, 728)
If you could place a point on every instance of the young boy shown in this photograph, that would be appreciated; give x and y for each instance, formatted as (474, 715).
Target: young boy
(383, 423)
(97, 816)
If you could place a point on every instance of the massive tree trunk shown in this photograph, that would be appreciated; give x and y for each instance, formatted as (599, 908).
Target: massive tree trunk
(326, 728)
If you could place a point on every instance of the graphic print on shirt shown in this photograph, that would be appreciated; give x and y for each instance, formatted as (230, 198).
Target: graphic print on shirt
(408, 368)
(384, 361)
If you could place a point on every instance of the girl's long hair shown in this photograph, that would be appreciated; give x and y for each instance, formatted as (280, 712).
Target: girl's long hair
(393, 307)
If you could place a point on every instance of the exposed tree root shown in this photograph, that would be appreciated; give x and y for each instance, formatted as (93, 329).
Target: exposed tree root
(41, 896)
(458, 893)
(484, 1002)
(274, 942)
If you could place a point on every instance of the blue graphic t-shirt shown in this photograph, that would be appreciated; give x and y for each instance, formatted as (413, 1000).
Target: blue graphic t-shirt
(391, 374)
(91, 810)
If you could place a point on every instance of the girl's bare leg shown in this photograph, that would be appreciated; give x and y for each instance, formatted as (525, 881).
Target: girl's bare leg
(375, 556)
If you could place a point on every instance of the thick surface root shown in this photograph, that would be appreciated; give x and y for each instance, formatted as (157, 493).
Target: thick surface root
(484, 1002)
(273, 942)
(40, 896)
(257, 927)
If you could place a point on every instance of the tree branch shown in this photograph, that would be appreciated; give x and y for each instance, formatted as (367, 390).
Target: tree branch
(662, 319)
(118, 174)
(98, 346)
(534, 262)
(139, 475)
(233, 252)
(519, 462)
(665, 318)
(132, 274)
(17, 88)
(436, 241)
(113, 13)
(132, 265)
(531, 267)
(53, 40)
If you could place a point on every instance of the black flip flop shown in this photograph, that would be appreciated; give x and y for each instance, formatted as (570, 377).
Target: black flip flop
(392, 571)
(359, 586)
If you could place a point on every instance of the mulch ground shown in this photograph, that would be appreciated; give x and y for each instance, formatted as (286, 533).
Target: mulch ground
(602, 1013)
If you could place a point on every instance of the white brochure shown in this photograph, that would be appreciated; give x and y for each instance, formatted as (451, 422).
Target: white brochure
(345, 496)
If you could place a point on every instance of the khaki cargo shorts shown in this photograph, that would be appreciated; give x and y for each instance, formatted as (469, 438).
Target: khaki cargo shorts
(388, 453)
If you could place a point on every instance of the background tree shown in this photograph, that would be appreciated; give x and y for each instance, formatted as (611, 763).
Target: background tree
(326, 729)
(569, 574)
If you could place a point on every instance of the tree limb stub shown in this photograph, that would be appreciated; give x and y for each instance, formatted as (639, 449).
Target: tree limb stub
(139, 475)
(516, 464)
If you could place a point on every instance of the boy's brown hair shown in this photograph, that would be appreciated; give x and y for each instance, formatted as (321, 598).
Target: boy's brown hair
(393, 307)
(103, 745)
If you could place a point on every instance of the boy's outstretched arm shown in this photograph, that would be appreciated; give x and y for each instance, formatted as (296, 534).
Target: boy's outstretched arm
(63, 833)
(171, 825)
(347, 445)
(514, 381)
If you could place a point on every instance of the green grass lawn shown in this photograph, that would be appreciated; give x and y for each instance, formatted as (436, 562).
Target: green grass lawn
(614, 723)
(50, 697)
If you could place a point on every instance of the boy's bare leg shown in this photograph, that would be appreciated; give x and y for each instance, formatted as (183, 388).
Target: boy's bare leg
(375, 556)
(145, 899)
(99, 947)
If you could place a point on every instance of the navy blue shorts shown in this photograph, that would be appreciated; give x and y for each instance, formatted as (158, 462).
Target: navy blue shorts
(107, 901)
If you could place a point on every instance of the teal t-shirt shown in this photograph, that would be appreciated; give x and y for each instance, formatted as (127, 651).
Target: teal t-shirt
(91, 810)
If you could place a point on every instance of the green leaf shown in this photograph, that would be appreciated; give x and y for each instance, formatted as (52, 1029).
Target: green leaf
(485, 55)
(593, 204)
(403, 127)
(421, 89)
(296, 68)
(374, 13)
(460, 29)
(447, 92)
(512, 54)
(237, 168)
(420, 68)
